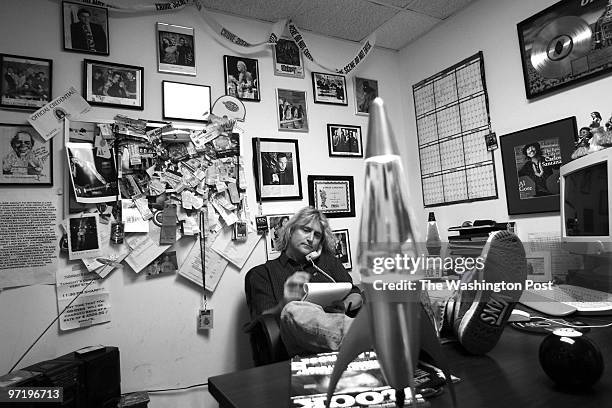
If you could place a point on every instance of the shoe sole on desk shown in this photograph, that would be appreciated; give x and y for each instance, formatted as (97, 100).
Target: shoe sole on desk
(481, 326)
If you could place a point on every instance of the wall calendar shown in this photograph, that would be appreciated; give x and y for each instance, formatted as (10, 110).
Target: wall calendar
(452, 114)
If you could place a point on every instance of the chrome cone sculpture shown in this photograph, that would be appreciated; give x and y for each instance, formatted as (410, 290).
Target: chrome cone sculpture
(392, 320)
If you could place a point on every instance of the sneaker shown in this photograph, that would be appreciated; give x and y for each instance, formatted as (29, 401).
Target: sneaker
(481, 315)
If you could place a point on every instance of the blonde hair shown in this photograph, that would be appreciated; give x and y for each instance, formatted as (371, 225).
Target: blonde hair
(304, 217)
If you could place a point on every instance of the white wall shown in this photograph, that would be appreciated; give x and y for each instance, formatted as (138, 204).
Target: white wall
(153, 320)
(490, 26)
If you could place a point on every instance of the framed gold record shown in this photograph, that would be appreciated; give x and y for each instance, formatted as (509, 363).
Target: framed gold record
(565, 44)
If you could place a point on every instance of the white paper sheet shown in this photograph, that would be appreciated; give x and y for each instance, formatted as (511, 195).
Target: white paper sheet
(237, 252)
(192, 267)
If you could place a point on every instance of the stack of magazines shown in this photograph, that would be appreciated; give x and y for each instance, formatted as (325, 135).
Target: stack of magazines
(362, 384)
(472, 239)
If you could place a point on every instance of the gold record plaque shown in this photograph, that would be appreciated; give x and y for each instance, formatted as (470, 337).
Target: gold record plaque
(558, 44)
(567, 43)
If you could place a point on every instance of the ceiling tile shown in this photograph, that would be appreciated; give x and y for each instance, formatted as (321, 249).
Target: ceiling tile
(348, 19)
(438, 8)
(266, 10)
(404, 28)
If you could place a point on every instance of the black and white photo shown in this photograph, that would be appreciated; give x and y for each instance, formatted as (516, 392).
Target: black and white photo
(241, 78)
(112, 84)
(344, 140)
(26, 82)
(343, 248)
(83, 236)
(366, 90)
(287, 59)
(276, 223)
(292, 115)
(277, 169)
(85, 28)
(94, 178)
(329, 88)
(175, 49)
(26, 158)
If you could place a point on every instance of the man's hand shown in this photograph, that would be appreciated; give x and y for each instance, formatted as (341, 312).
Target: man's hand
(294, 286)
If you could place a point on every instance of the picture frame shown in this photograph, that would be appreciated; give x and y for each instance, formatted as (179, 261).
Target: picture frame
(242, 78)
(35, 92)
(539, 266)
(275, 222)
(277, 172)
(334, 196)
(175, 49)
(83, 236)
(27, 159)
(292, 115)
(343, 248)
(329, 89)
(365, 92)
(344, 140)
(531, 160)
(582, 55)
(183, 101)
(287, 58)
(102, 84)
(79, 21)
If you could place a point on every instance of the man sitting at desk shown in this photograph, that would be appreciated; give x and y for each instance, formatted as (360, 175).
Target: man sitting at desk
(476, 318)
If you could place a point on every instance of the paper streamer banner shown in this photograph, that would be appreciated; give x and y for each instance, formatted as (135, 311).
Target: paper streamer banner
(226, 35)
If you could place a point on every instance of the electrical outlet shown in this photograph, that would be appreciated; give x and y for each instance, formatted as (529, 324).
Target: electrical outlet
(205, 319)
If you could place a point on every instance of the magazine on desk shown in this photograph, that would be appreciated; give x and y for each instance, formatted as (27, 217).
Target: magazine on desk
(361, 386)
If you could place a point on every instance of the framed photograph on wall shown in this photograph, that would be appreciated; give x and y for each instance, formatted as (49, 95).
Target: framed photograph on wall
(292, 115)
(277, 169)
(242, 78)
(111, 84)
(287, 59)
(182, 101)
(343, 248)
(531, 159)
(85, 28)
(26, 82)
(332, 195)
(329, 88)
(344, 140)
(275, 223)
(565, 44)
(27, 159)
(365, 92)
(175, 49)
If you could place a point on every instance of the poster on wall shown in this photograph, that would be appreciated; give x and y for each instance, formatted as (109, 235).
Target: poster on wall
(532, 159)
(567, 43)
(175, 49)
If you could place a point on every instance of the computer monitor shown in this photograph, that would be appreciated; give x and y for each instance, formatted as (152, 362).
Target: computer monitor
(586, 185)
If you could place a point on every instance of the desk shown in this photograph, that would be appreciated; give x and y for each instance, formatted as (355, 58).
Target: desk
(509, 376)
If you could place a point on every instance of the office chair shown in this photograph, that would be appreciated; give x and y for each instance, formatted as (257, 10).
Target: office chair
(267, 347)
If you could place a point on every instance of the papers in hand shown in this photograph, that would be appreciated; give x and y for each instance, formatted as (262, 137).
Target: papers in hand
(325, 294)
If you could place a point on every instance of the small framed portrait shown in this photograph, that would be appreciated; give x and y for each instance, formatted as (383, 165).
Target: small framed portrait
(93, 176)
(292, 115)
(26, 82)
(539, 266)
(276, 223)
(112, 84)
(287, 59)
(83, 236)
(343, 248)
(85, 28)
(175, 49)
(332, 195)
(531, 159)
(344, 140)
(242, 78)
(27, 159)
(185, 101)
(365, 92)
(277, 169)
(329, 88)
(164, 264)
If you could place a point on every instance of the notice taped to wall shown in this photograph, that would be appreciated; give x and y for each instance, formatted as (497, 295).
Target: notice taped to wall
(28, 243)
(91, 307)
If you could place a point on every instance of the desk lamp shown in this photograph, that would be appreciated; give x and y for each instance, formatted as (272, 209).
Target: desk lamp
(391, 320)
